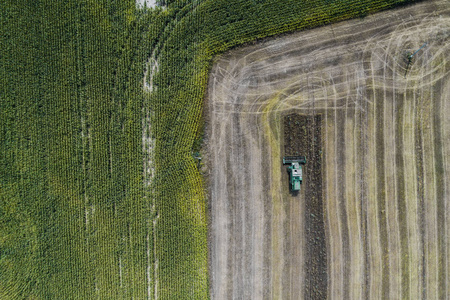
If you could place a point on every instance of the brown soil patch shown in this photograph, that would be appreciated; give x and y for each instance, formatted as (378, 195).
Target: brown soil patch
(303, 136)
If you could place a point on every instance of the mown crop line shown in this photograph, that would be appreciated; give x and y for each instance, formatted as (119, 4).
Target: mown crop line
(418, 135)
(357, 186)
(338, 287)
(446, 252)
(440, 188)
(437, 187)
(393, 218)
(429, 191)
(364, 137)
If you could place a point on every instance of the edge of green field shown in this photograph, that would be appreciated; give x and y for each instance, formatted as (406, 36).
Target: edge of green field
(76, 218)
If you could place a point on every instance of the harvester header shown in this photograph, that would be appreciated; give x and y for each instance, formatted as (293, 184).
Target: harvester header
(292, 159)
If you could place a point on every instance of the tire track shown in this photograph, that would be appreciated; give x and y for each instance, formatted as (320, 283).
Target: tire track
(400, 195)
(357, 231)
(440, 189)
(361, 174)
(375, 253)
(335, 278)
(412, 203)
(446, 147)
(381, 191)
(340, 116)
(420, 189)
(400, 177)
(355, 264)
(429, 194)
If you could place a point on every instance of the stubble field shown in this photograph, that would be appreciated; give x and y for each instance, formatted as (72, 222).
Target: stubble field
(384, 139)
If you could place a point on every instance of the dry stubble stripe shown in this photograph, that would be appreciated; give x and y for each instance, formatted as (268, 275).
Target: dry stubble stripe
(446, 139)
(430, 214)
(420, 189)
(410, 189)
(335, 277)
(267, 241)
(440, 196)
(237, 208)
(249, 211)
(364, 144)
(362, 159)
(326, 207)
(232, 224)
(381, 192)
(340, 149)
(400, 195)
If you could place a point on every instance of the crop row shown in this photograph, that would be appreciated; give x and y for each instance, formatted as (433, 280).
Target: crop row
(73, 222)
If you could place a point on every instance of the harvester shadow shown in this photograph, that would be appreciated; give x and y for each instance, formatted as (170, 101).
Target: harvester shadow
(294, 193)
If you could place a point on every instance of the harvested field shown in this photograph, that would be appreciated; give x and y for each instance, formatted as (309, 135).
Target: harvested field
(384, 136)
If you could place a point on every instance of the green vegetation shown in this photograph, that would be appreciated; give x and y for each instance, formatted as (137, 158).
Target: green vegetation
(76, 221)
(72, 215)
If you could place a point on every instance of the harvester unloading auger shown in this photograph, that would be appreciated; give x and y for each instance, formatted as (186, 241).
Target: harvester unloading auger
(295, 171)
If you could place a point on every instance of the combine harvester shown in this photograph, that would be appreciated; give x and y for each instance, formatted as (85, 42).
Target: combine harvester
(295, 171)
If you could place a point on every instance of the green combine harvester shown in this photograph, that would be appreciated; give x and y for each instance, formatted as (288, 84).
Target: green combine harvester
(295, 171)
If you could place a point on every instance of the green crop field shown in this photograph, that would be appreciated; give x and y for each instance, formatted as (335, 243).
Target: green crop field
(80, 217)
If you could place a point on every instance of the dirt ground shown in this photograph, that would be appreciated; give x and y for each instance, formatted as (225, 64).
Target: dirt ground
(382, 154)
(303, 136)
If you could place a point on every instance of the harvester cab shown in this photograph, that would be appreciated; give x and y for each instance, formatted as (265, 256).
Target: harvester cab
(295, 171)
